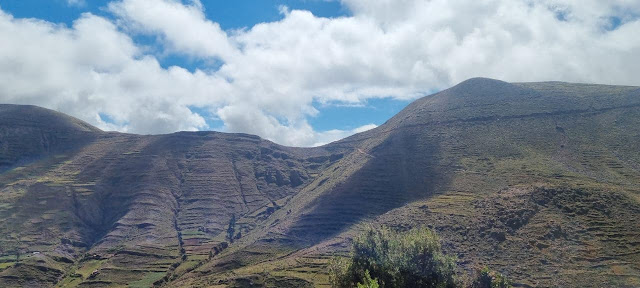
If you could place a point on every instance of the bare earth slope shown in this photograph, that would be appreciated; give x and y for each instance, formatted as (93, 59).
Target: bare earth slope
(538, 180)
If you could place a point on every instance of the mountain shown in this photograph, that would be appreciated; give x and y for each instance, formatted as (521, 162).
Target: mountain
(537, 180)
(28, 132)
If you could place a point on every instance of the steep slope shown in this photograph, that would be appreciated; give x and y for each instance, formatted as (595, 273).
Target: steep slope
(136, 207)
(536, 180)
(503, 171)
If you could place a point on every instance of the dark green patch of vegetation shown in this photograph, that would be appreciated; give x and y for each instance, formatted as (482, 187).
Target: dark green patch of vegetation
(409, 259)
(232, 228)
(384, 258)
(486, 278)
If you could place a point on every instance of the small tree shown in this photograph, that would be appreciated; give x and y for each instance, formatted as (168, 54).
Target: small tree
(410, 259)
(340, 274)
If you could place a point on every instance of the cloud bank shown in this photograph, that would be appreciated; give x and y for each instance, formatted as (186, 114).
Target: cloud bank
(264, 79)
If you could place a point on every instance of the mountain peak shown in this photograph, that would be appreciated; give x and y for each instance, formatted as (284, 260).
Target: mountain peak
(480, 81)
(29, 132)
(485, 98)
(482, 87)
(30, 115)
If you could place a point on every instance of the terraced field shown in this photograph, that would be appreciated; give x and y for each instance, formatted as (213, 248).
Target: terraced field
(540, 181)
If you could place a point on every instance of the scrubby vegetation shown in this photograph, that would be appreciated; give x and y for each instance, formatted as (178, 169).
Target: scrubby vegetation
(384, 258)
(368, 281)
(486, 278)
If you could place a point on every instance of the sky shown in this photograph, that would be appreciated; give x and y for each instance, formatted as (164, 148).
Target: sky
(296, 72)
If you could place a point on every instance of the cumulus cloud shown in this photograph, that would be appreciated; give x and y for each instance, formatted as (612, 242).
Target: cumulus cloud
(272, 73)
(184, 28)
(91, 69)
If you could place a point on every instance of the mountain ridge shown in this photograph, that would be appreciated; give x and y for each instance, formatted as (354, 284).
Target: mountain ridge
(490, 165)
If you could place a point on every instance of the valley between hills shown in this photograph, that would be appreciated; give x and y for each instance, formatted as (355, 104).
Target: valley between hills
(539, 181)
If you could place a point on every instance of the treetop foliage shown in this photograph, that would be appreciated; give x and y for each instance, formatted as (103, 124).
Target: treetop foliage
(385, 258)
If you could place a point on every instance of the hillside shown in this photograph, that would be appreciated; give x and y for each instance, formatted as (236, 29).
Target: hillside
(537, 180)
(28, 132)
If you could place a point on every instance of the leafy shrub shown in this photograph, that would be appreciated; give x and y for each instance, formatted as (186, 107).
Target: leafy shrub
(339, 272)
(486, 278)
(368, 282)
(410, 259)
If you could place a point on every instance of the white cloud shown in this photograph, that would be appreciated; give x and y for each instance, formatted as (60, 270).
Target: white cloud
(273, 72)
(93, 68)
(76, 2)
(184, 27)
(331, 135)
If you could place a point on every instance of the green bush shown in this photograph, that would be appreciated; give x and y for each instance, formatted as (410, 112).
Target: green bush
(368, 282)
(339, 272)
(410, 259)
(486, 278)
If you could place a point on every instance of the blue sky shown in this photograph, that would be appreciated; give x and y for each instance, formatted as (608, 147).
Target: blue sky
(234, 14)
(312, 73)
(231, 15)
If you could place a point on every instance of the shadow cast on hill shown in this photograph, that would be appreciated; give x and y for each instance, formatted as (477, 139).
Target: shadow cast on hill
(405, 167)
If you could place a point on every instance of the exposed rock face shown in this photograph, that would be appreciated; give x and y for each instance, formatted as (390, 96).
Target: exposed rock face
(509, 174)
